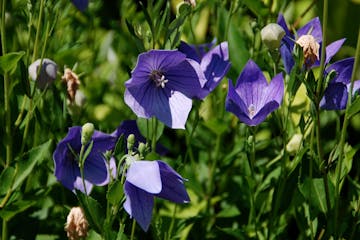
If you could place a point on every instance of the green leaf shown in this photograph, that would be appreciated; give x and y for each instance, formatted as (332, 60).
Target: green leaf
(257, 6)
(9, 61)
(14, 208)
(115, 192)
(6, 179)
(27, 162)
(314, 191)
(93, 211)
(354, 107)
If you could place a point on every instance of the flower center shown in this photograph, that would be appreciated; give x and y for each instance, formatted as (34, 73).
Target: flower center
(158, 78)
(251, 110)
(310, 48)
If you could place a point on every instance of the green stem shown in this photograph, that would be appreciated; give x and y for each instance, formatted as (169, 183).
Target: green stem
(38, 30)
(4, 230)
(342, 138)
(154, 126)
(133, 229)
(172, 223)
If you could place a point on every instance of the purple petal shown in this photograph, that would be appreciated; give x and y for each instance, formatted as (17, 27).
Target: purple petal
(287, 57)
(81, 4)
(356, 87)
(250, 84)
(333, 48)
(273, 92)
(343, 69)
(189, 51)
(79, 185)
(187, 78)
(138, 204)
(145, 175)
(135, 102)
(288, 36)
(263, 113)
(215, 65)
(236, 105)
(335, 97)
(173, 188)
(313, 27)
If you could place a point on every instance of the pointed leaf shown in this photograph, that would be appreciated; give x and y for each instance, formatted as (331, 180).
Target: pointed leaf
(9, 61)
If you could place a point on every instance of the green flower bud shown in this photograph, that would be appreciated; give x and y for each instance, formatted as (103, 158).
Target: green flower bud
(142, 149)
(87, 131)
(130, 142)
(271, 35)
(294, 144)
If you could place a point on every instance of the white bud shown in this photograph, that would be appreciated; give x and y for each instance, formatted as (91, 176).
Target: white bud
(294, 144)
(47, 74)
(271, 35)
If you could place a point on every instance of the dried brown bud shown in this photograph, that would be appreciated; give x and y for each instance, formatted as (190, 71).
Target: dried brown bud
(72, 82)
(310, 48)
(76, 224)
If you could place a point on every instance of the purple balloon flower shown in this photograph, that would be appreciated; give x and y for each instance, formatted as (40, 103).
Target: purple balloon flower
(81, 4)
(313, 30)
(214, 63)
(162, 85)
(146, 180)
(253, 98)
(336, 94)
(96, 169)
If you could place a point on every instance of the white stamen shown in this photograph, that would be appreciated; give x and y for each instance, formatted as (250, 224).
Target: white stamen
(161, 82)
(251, 110)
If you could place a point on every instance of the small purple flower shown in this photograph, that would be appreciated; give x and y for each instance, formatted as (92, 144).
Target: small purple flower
(128, 127)
(253, 98)
(96, 169)
(310, 30)
(336, 94)
(81, 4)
(214, 63)
(162, 85)
(146, 180)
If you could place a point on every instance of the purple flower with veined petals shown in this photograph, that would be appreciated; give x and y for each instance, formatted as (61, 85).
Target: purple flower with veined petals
(81, 4)
(146, 180)
(128, 127)
(253, 98)
(96, 169)
(336, 94)
(214, 63)
(162, 85)
(313, 28)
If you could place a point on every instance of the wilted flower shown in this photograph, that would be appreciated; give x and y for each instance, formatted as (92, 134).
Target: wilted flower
(76, 226)
(162, 85)
(336, 94)
(214, 63)
(81, 4)
(66, 159)
(47, 74)
(271, 35)
(253, 98)
(72, 82)
(309, 37)
(146, 180)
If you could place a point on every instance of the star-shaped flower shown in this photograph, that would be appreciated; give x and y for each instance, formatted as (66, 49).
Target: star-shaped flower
(253, 98)
(336, 94)
(309, 37)
(162, 85)
(96, 169)
(214, 63)
(146, 180)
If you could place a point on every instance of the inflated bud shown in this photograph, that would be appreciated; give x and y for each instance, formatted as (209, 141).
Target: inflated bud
(130, 142)
(294, 144)
(142, 148)
(271, 35)
(47, 73)
(87, 131)
(76, 226)
(310, 49)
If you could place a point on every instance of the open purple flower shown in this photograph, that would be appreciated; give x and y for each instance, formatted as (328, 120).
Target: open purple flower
(128, 127)
(162, 85)
(309, 37)
(336, 94)
(96, 169)
(81, 4)
(146, 180)
(253, 98)
(214, 63)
